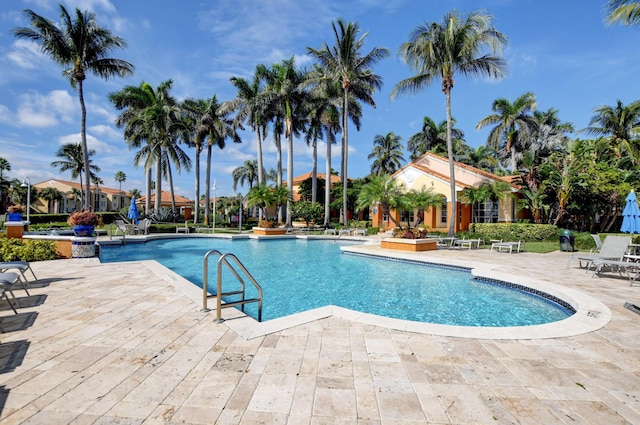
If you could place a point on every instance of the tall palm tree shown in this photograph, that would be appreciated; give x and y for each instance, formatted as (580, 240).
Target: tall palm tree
(120, 177)
(73, 161)
(626, 12)
(80, 45)
(439, 51)
(249, 105)
(214, 126)
(52, 196)
(619, 125)
(482, 157)
(386, 153)
(514, 125)
(345, 64)
(286, 101)
(153, 118)
(193, 109)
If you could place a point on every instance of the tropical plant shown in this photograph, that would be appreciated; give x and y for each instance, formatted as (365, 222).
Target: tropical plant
(81, 46)
(307, 211)
(619, 125)
(249, 105)
(625, 12)
(214, 126)
(82, 218)
(120, 177)
(422, 199)
(514, 125)
(433, 138)
(73, 161)
(260, 196)
(51, 195)
(345, 64)
(383, 191)
(439, 51)
(247, 173)
(386, 154)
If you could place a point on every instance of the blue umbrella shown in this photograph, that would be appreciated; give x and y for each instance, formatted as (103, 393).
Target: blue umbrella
(631, 215)
(133, 211)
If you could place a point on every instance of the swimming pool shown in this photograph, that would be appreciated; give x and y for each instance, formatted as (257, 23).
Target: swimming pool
(299, 275)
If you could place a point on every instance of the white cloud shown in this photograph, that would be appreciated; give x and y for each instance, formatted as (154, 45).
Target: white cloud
(92, 142)
(25, 54)
(38, 110)
(106, 131)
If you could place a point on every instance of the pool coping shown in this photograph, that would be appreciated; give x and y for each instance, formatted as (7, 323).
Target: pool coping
(590, 314)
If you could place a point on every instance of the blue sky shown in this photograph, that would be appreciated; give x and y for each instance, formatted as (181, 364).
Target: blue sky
(562, 51)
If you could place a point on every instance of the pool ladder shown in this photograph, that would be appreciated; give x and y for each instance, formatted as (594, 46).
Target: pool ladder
(223, 260)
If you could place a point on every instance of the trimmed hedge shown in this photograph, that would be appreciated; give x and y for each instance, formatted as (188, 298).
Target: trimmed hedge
(15, 249)
(516, 231)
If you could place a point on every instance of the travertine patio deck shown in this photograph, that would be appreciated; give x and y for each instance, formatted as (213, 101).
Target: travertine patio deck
(127, 344)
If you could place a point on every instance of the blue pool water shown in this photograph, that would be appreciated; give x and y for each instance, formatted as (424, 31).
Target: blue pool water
(299, 275)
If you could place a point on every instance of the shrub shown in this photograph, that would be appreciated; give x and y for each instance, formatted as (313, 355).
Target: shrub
(516, 231)
(83, 218)
(27, 250)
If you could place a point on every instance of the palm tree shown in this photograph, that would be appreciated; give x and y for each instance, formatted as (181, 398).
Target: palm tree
(135, 193)
(484, 193)
(81, 46)
(423, 199)
(438, 51)
(248, 173)
(482, 157)
(261, 196)
(153, 117)
(387, 154)
(214, 126)
(285, 106)
(626, 12)
(194, 108)
(433, 138)
(380, 190)
(514, 125)
(51, 195)
(120, 177)
(249, 106)
(73, 161)
(345, 64)
(619, 125)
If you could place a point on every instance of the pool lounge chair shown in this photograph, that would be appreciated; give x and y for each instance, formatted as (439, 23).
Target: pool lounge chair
(21, 266)
(598, 242)
(8, 282)
(508, 246)
(613, 248)
(628, 267)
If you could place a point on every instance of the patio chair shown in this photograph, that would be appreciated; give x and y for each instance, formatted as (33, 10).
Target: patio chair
(143, 227)
(613, 248)
(598, 242)
(3, 294)
(121, 227)
(508, 246)
(8, 281)
(21, 266)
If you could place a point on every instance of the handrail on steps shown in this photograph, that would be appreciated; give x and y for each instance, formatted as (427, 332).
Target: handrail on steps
(224, 260)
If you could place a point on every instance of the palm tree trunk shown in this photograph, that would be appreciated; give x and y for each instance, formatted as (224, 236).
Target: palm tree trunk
(158, 203)
(314, 171)
(208, 183)
(279, 166)
(452, 212)
(289, 179)
(345, 155)
(86, 205)
(196, 207)
(173, 195)
(260, 165)
(327, 187)
(147, 201)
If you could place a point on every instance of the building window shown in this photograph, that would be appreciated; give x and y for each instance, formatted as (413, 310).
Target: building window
(486, 212)
(407, 216)
(443, 211)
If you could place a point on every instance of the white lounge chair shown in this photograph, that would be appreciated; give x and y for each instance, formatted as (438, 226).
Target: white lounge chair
(121, 227)
(613, 248)
(598, 242)
(8, 281)
(143, 227)
(508, 246)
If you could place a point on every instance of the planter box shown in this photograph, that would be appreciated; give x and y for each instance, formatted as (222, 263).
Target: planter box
(413, 245)
(266, 231)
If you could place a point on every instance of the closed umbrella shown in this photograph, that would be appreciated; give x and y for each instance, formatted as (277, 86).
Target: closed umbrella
(631, 215)
(133, 211)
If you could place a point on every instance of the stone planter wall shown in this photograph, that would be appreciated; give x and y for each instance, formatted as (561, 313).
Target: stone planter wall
(265, 231)
(412, 245)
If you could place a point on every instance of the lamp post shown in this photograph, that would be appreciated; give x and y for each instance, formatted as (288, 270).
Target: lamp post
(214, 206)
(27, 183)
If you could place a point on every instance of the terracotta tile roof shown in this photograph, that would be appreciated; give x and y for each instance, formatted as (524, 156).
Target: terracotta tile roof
(165, 198)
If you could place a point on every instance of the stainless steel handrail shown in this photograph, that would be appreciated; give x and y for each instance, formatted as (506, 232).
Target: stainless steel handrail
(224, 260)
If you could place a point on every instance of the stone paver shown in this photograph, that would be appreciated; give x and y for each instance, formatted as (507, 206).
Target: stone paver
(127, 343)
